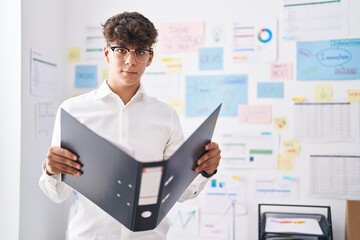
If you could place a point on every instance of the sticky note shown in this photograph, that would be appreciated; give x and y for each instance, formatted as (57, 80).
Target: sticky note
(292, 147)
(280, 123)
(270, 89)
(85, 76)
(285, 162)
(323, 93)
(298, 99)
(353, 95)
(74, 55)
(281, 71)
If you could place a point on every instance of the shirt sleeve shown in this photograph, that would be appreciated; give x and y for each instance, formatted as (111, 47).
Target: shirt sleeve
(52, 186)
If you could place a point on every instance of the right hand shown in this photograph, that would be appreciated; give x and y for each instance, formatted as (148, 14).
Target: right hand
(60, 160)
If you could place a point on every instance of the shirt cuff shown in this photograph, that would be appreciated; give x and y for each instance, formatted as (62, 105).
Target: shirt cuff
(52, 178)
(205, 174)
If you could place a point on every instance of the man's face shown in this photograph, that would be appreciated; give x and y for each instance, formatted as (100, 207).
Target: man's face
(127, 64)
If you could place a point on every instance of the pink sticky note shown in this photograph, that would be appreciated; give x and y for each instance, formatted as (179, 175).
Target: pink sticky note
(182, 37)
(259, 114)
(281, 71)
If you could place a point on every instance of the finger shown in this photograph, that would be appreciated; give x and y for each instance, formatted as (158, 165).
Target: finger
(215, 152)
(209, 165)
(60, 168)
(62, 152)
(211, 145)
(61, 161)
(54, 158)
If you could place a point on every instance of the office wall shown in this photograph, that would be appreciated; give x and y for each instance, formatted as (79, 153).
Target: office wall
(52, 27)
(216, 11)
(42, 28)
(10, 58)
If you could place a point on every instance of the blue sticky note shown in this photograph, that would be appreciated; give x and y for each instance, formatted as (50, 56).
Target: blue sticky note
(85, 76)
(211, 58)
(205, 93)
(270, 90)
(328, 60)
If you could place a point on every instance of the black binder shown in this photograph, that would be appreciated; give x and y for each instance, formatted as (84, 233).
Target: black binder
(138, 195)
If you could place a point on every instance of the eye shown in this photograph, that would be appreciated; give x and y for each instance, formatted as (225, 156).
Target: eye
(121, 50)
(140, 52)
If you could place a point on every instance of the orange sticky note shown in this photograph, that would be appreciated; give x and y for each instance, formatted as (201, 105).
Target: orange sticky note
(353, 95)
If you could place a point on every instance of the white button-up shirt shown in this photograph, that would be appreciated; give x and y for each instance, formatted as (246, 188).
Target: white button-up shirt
(148, 129)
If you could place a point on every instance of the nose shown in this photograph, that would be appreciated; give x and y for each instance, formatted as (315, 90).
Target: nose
(130, 58)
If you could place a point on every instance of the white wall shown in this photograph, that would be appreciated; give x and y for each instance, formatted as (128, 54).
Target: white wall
(10, 110)
(43, 30)
(25, 213)
(218, 11)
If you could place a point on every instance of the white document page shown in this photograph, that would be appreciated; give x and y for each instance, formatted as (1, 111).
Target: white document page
(44, 75)
(335, 176)
(293, 225)
(326, 122)
(308, 19)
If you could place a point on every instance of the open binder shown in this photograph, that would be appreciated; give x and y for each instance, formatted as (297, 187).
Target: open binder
(138, 195)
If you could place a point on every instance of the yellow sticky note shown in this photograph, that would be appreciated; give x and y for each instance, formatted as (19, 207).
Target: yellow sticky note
(74, 55)
(292, 147)
(173, 65)
(285, 162)
(353, 95)
(323, 93)
(104, 73)
(280, 123)
(298, 99)
(178, 104)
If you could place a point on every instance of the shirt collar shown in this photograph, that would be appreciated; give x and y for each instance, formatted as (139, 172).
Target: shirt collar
(104, 91)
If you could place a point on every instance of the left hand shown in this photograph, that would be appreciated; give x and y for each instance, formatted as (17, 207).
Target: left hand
(210, 160)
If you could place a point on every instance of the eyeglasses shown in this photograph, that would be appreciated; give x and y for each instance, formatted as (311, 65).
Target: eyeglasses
(141, 55)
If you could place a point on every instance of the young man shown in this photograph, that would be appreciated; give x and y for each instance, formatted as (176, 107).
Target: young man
(120, 111)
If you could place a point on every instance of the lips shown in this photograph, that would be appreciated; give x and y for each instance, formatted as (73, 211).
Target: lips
(128, 72)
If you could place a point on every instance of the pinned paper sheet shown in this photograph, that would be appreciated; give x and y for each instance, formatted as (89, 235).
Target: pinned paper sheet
(277, 187)
(254, 40)
(353, 96)
(281, 71)
(323, 93)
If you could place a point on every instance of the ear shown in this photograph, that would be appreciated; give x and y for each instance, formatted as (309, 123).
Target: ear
(150, 60)
(106, 53)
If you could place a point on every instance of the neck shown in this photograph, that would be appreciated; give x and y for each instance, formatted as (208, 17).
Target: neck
(124, 92)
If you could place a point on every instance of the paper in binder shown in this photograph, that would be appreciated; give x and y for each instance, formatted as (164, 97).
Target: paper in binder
(137, 194)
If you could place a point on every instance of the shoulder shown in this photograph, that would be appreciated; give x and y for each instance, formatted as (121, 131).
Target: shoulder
(159, 106)
(79, 102)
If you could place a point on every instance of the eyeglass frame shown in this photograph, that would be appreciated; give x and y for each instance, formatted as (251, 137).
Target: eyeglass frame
(150, 51)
